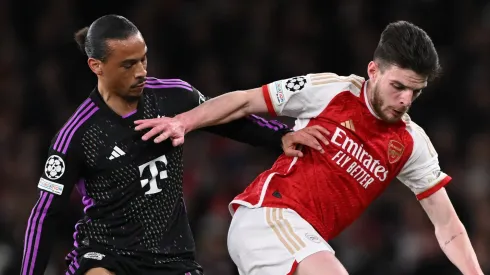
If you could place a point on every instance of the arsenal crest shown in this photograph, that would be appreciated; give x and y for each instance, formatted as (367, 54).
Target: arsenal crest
(395, 151)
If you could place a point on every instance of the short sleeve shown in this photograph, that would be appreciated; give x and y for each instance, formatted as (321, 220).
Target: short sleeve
(422, 173)
(307, 96)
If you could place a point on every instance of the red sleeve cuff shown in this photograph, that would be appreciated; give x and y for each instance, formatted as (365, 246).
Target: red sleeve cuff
(427, 193)
(268, 101)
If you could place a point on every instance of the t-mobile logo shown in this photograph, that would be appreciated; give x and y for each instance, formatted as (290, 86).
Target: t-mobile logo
(154, 172)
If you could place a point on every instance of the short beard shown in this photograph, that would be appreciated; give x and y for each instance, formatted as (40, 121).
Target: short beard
(377, 103)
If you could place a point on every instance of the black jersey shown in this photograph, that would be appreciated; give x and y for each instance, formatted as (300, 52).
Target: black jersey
(131, 189)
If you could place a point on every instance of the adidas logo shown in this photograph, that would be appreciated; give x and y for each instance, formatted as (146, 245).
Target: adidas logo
(349, 125)
(116, 152)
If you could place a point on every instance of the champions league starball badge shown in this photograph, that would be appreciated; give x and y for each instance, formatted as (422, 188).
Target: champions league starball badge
(54, 168)
(295, 84)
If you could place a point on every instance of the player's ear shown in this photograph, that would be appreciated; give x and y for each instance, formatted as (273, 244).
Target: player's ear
(372, 70)
(95, 65)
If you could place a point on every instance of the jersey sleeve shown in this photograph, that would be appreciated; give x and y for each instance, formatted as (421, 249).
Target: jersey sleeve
(307, 96)
(422, 173)
(60, 173)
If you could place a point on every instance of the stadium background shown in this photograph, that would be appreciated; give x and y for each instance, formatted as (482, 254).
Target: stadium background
(229, 44)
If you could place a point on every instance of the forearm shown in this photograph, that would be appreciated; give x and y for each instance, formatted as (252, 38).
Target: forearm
(222, 109)
(456, 244)
(38, 237)
(255, 131)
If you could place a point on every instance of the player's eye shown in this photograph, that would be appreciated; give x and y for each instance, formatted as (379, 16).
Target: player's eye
(127, 66)
(398, 87)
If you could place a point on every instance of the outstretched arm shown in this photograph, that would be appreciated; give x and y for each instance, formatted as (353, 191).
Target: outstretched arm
(216, 111)
(223, 109)
(302, 97)
(451, 233)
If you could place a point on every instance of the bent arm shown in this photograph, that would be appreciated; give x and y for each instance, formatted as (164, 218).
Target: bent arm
(451, 233)
(223, 109)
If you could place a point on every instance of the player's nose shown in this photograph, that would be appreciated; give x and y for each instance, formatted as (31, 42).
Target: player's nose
(140, 72)
(406, 98)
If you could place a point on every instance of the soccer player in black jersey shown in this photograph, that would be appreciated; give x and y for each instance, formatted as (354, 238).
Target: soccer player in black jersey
(135, 220)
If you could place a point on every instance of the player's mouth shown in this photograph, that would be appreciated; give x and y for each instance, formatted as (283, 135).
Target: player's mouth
(138, 86)
(397, 113)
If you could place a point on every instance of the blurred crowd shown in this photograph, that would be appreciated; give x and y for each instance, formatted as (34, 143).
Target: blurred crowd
(221, 45)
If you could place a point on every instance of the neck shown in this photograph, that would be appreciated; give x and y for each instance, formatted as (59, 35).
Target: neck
(369, 93)
(370, 98)
(118, 104)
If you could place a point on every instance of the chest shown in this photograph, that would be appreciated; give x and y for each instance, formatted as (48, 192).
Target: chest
(111, 143)
(361, 144)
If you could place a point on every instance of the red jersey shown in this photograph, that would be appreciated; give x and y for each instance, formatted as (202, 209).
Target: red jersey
(331, 190)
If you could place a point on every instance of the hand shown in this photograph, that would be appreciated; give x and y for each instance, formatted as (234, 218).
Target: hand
(99, 271)
(309, 136)
(164, 127)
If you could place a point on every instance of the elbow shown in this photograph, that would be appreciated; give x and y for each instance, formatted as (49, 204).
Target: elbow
(253, 102)
(247, 105)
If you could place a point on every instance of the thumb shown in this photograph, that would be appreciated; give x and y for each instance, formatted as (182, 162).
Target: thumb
(178, 141)
(293, 153)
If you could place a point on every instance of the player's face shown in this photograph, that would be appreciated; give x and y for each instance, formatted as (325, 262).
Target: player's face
(393, 90)
(124, 71)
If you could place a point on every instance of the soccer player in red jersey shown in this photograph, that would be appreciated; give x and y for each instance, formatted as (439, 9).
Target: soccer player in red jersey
(283, 220)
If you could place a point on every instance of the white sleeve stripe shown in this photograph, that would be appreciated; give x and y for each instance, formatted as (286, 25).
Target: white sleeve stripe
(330, 81)
(319, 79)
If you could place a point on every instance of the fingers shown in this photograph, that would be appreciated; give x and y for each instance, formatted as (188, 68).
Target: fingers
(162, 137)
(319, 134)
(153, 132)
(144, 124)
(162, 129)
(312, 142)
(322, 130)
(137, 122)
(290, 152)
(150, 120)
(178, 141)
(306, 139)
(150, 123)
(99, 271)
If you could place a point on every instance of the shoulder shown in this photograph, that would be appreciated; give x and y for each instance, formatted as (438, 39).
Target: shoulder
(176, 95)
(334, 82)
(161, 84)
(74, 127)
(413, 129)
(418, 137)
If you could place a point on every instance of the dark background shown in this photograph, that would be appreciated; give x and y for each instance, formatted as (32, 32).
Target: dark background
(220, 45)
